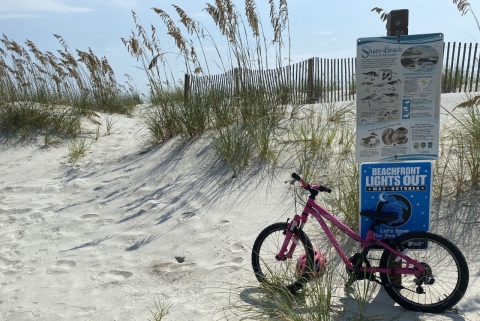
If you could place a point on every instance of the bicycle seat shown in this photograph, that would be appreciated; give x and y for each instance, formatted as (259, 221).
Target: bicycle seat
(381, 217)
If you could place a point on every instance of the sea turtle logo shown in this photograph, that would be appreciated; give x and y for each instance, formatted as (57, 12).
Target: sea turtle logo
(395, 203)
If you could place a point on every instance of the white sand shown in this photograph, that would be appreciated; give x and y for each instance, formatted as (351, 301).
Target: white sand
(102, 239)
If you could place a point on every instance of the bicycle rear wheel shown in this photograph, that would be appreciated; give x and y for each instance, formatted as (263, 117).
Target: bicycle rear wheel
(272, 272)
(444, 281)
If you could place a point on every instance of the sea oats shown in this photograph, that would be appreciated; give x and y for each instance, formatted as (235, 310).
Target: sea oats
(173, 31)
(462, 6)
(251, 13)
(188, 22)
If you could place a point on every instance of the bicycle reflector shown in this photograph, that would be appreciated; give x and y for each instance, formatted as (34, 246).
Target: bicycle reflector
(319, 263)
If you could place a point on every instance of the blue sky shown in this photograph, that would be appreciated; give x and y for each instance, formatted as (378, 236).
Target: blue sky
(318, 28)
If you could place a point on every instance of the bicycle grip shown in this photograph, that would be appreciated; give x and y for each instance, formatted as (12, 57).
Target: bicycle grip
(296, 176)
(324, 189)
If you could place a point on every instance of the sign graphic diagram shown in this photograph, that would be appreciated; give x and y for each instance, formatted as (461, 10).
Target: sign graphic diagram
(398, 97)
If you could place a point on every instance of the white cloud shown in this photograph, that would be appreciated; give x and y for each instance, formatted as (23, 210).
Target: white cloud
(126, 4)
(322, 33)
(20, 6)
(334, 40)
(16, 15)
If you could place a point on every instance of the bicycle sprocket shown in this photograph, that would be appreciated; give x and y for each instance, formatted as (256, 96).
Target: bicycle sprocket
(360, 275)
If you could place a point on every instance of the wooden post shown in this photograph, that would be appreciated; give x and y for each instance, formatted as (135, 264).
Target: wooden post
(456, 68)
(236, 81)
(468, 66)
(310, 98)
(397, 25)
(449, 90)
(445, 78)
(397, 22)
(186, 88)
(473, 66)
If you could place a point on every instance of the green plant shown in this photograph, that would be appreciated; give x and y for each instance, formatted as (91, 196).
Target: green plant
(315, 135)
(346, 140)
(160, 311)
(77, 149)
(234, 146)
(161, 123)
(47, 93)
(207, 102)
(50, 139)
(109, 123)
(344, 197)
(30, 118)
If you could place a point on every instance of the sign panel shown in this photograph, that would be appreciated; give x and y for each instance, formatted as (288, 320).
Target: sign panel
(404, 188)
(398, 97)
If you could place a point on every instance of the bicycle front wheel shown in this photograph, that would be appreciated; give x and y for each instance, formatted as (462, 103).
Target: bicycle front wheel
(272, 272)
(444, 281)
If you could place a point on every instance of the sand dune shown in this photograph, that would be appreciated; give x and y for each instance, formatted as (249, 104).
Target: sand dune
(100, 240)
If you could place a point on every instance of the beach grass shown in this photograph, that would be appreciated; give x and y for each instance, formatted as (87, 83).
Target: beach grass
(160, 310)
(48, 95)
(43, 93)
(77, 149)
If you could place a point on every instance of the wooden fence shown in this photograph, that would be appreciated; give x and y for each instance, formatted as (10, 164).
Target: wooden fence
(330, 80)
(460, 70)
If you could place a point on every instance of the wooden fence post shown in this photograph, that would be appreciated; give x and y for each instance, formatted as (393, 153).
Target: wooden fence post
(310, 98)
(186, 88)
(236, 82)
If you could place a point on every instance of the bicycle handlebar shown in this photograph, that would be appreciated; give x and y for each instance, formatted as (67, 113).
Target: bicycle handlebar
(311, 188)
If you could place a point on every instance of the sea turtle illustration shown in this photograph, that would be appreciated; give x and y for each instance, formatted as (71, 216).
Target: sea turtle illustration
(395, 206)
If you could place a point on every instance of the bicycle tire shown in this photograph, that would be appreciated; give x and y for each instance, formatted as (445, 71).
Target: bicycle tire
(449, 274)
(272, 272)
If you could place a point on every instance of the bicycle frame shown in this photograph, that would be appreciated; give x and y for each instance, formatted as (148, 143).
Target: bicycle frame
(318, 212)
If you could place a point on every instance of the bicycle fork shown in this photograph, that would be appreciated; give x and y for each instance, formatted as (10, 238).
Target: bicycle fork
(285, 252)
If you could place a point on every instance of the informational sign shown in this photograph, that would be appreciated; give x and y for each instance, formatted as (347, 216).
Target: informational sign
(398, 97)
(403, 188)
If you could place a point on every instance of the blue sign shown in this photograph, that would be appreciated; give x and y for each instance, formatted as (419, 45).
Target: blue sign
(404, 188)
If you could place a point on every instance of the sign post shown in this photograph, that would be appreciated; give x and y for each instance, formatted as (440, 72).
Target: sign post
(398, 115)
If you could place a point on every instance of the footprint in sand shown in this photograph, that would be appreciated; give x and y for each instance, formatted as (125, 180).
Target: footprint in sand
(4, 262)
(119, 275)
(233, 263)
(87, 216)
(238, 260)
(62, 266)
(112, 276)
(37, 218)
(173, 272)
(223, 225)
(237, 247)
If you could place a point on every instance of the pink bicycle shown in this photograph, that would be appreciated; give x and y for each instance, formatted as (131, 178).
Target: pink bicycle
(421, 271)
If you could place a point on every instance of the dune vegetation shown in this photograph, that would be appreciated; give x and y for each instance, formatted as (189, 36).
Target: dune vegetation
(48, 95)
